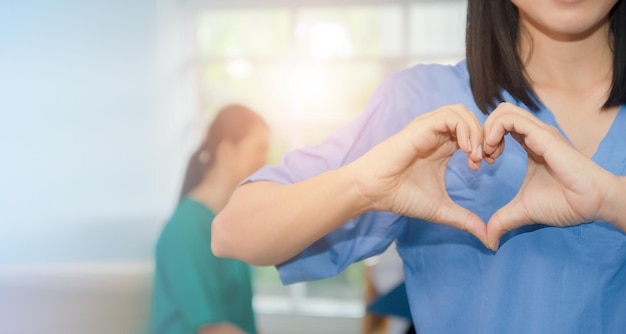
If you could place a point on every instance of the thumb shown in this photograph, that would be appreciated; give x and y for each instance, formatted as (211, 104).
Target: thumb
(507, 218)
(456, 216)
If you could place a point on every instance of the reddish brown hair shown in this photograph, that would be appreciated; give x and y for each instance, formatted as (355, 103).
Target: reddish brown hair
(233, 123)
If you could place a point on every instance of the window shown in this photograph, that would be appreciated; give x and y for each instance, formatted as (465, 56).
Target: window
(309, 68)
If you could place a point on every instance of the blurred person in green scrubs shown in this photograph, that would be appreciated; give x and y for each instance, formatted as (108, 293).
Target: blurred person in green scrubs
(194, 291)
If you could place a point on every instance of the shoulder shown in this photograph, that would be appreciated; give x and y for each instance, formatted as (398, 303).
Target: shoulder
(191, 220)
(426, 87)
(431, 78)
(190, 211)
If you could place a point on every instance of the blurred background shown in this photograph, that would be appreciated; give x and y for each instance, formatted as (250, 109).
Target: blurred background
(101, 102)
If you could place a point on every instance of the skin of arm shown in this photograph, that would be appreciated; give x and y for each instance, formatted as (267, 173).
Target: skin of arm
(266, 223)
(221, 328)
(613, 209)
(257, 219)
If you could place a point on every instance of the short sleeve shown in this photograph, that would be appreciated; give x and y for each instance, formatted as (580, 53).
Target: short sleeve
(387, 112)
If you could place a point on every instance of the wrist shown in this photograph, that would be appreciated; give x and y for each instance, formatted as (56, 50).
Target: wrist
(358, 189)
(613, 209)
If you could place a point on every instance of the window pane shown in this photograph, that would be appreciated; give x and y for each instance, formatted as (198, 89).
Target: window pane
(232, 33)
(327, 92)
(349, 285)
(438, 28)
(345, 32)
(303, 102)
(267, 282)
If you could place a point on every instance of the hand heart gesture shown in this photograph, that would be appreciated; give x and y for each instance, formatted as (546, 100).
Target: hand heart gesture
(405, 173)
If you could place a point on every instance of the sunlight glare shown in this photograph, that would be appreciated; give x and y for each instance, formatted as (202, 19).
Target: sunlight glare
(306, 83)
(239, 68)
(329, 40)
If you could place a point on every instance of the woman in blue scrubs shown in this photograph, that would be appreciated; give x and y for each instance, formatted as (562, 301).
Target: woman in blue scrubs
(500, 179)
(194, 291)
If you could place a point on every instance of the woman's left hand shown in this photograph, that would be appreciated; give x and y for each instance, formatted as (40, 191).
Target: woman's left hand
(562, 187)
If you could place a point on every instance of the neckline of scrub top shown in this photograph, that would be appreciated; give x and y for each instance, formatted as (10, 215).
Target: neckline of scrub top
(617, 127)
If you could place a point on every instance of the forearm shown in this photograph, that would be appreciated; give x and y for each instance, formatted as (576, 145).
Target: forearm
(266, 223)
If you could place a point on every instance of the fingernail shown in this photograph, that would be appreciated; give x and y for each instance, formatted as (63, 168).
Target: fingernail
(469, 145)
(486, 144)
(480, 151)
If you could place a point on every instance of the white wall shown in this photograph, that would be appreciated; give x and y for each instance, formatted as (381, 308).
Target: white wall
(90, 155)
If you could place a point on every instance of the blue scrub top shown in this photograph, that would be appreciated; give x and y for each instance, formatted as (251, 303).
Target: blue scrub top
(541, 280)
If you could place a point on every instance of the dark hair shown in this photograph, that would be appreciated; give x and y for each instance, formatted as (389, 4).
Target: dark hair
(493, 63)
(232, 122)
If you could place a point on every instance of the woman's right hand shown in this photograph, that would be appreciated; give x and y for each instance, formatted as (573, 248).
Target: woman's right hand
(405, 173)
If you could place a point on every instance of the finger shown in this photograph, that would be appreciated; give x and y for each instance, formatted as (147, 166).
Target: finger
(455, 115)
(465, 133)
(493, 153)
(502, 121)
(461, 130)
(475, 157)
(473, 138)
(524, 127)
(432, 129)
(507, 218)
(452, 214)
(488, 130)
(542, 142)
(476, 134)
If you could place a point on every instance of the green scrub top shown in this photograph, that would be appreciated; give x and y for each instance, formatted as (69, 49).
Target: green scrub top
(192, 287)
